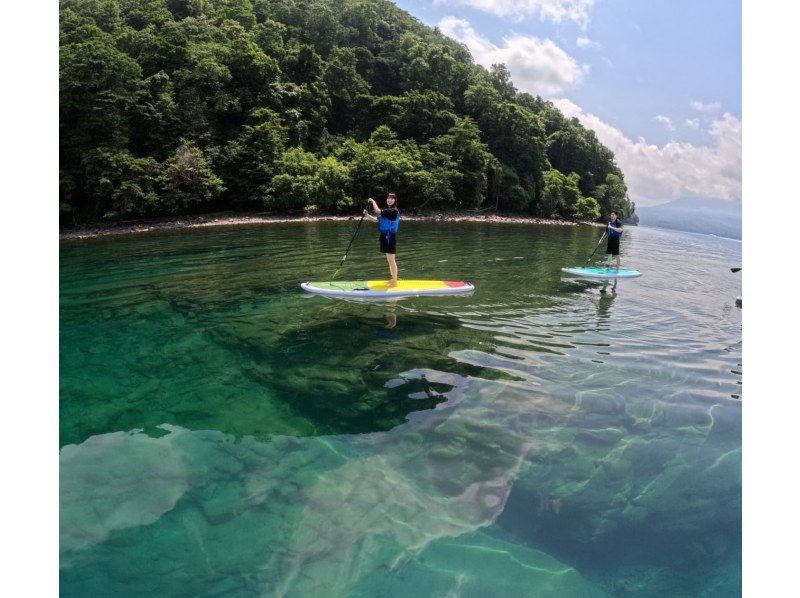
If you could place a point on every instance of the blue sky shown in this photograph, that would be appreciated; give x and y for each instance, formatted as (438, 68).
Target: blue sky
(659, 81)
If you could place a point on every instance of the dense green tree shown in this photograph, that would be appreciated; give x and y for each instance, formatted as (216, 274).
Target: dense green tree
(304, 181)
(99, 90)
(518, 141)
(305, 112)
(141, 13)
(561, 195)
(360, 24)
(200, 92)
(384, 164)
(251, 70)
(321, 25)
(188, 180)
(247, 162)
(471, 159)
(122, 185)
(269, 34)
(240, 11)
(180, 105)
(156, 48)
(576, 149)
(424, 65)
(500, 77)
(182, 9)
(106, 14)
(416, 115)
(302, 64)
(613, 195)
(347, 89)
(514, 134)
(586, 208)
(481, 100)
(506, 192)
(155, 119)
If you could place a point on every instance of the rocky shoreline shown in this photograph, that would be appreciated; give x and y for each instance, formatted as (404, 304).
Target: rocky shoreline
(227, 219)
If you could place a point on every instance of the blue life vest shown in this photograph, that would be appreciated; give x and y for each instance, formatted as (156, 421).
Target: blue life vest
(612, 230)
(387, 226)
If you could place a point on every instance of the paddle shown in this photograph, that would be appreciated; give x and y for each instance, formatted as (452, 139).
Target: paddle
(597, 247)
(736, 269)
(344, 257)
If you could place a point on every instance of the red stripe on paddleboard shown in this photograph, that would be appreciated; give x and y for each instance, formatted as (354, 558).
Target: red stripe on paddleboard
(454, 283)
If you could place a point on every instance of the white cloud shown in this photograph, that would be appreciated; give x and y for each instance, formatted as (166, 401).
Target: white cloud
(693, 123)
(585, 42)
(658, 174)
(536, 66)
(708, 108)
(666, 121)
(552, 10)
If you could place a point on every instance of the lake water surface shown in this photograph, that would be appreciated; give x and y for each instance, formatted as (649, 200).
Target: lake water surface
(222, 433)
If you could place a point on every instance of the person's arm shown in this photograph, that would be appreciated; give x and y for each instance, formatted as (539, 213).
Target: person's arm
(375, 208)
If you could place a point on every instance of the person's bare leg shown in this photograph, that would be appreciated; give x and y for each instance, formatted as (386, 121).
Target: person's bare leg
(392, 269)
(617, 261)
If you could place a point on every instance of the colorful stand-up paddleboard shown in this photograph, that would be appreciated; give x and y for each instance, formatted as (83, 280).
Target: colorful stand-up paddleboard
(602, 272)
(367, 289)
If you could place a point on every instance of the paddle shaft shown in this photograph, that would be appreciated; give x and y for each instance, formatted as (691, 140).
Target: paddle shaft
(596, 247)
(344, 257)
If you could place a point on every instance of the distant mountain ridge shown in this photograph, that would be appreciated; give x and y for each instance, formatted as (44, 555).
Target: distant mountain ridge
(698, 215)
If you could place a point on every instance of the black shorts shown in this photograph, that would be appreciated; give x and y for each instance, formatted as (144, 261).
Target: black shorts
(389, 246)
(613, 246)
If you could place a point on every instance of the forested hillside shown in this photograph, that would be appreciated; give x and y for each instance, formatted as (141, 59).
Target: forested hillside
(176, 106)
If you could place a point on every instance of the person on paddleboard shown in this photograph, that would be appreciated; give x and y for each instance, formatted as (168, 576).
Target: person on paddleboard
(614, 232)
(388, 224)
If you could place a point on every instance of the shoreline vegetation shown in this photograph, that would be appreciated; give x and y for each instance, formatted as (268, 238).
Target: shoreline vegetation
(242, 219)
(179, 107)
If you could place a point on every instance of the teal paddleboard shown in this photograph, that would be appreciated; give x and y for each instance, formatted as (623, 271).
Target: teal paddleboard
(602, 272)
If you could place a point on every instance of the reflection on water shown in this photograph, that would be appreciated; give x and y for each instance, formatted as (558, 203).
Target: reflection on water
(391, 315)
(223, 433)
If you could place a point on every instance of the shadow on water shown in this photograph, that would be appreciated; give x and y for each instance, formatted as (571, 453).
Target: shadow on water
(320, 368)
(336, 373)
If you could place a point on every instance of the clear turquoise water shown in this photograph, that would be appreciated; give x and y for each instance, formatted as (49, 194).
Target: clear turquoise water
(224, 434)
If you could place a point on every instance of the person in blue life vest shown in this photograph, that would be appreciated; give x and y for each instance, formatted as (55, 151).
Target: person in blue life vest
(388, 224)
(614, 231)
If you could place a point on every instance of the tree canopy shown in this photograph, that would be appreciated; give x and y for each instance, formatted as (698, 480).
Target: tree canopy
(174, 106)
